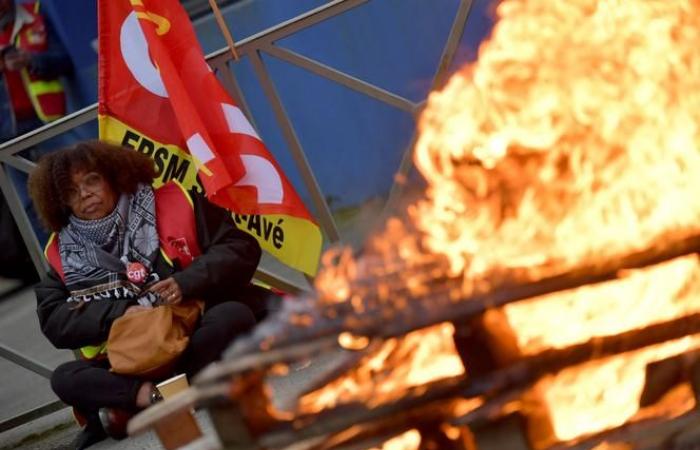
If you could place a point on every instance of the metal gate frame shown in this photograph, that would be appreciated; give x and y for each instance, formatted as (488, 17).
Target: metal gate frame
(253, 48)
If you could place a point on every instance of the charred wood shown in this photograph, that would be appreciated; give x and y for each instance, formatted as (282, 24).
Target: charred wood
(183, 401)
(518, 375)
(427, 314)
(291, 333)
(345, 416)
(424, 418)
(231, 426)
(660, 433)
(372, 442)
(252, 398)
(491, 410)
(259, 360)
(348, 361)
(506, 433)
(660, 377)
(434, 438)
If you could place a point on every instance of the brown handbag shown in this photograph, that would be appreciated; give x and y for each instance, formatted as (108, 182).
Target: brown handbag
(147, 343)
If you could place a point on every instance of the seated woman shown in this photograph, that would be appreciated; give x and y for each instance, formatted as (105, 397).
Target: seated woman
(109, 260)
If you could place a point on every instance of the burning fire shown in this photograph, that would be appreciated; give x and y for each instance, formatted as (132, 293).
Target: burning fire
(385, 374)
(409, 440)
(574, 138)
(600, 395)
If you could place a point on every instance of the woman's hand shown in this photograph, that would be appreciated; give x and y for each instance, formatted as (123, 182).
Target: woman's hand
(168, 290)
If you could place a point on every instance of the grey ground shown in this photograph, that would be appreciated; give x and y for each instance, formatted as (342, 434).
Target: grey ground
(23, 390)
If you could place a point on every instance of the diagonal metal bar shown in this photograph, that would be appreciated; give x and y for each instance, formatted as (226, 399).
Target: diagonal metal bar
(441, 74)
(456, 33)
(49, 130)
(18, 162)
(234, 89)
(341, 78)
(24, 361)
(252, 44)
(322, 210)
(22, 221)
(33, 414)
(278, 281)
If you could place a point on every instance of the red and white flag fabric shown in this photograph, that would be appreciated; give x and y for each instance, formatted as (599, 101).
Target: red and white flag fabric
(158, 95)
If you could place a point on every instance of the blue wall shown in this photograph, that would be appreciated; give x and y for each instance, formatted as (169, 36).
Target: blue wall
(354, 143)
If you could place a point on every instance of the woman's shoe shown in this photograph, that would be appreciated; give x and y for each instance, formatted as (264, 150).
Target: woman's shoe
(114, 421)
(91, 434)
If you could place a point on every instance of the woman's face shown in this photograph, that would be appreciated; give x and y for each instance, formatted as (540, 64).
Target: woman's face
(90, 196)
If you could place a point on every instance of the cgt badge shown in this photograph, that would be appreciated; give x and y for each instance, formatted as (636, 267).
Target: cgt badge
(136, 272)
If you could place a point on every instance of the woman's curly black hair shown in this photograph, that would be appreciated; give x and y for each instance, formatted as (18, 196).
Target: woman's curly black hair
(123, 169)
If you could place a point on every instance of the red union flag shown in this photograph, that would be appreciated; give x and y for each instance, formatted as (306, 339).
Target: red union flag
(158, 95)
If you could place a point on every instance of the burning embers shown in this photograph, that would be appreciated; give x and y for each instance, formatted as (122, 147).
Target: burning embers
(567, 156)
(575, 137)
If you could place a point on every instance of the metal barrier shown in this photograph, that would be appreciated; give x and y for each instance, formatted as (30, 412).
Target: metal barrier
(253, 48)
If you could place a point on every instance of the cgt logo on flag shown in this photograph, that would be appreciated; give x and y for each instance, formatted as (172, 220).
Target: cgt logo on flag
(158, 95)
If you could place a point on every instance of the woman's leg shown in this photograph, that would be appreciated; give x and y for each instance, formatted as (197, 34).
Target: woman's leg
(220, 325)
(89, 385)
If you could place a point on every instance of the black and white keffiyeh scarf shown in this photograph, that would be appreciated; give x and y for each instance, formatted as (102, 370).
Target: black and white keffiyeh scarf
(95, 253)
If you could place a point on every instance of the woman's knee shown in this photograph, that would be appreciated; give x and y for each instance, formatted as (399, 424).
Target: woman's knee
(231, 316)
(64, 381)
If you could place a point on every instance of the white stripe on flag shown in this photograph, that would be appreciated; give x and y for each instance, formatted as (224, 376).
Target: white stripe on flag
(262, 175)
(199, 149)
(134, 48)
(237, 122)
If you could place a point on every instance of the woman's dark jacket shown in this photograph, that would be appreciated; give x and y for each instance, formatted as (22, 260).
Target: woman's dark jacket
(221, 273)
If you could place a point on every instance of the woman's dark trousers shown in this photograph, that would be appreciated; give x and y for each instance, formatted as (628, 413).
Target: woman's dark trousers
(89, 385)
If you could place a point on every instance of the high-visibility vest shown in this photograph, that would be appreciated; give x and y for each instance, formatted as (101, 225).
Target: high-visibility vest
(46, 94)
(177, 232)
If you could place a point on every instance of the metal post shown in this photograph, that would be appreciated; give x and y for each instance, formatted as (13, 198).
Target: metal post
(36, 413)
(456, 33)
(252, 44)
(22, 221)
(441, 74)
(341, 78)
(49, 130)
(18, 162)
(278, 281)
(324, 214)
(233, 88)
(23, 361)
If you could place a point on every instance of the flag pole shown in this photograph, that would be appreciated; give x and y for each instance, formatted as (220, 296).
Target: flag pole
(224, 29)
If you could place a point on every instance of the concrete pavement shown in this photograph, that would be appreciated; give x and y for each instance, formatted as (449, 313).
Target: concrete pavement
(23, 390)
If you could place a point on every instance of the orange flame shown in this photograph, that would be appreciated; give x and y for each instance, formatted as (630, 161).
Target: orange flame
(385, 374)
(612, 446)
(574, 138)
(409, 440)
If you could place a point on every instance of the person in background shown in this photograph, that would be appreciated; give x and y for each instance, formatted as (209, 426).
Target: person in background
(108, 259)
(32, 60)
